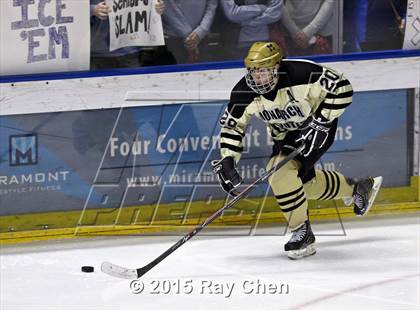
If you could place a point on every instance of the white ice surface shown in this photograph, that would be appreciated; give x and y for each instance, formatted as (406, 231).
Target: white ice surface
(375, 265)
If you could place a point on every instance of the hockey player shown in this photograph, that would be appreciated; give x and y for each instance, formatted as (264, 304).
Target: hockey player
(300, 102)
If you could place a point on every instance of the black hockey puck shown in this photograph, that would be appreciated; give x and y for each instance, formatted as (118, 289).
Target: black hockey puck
(87, 269)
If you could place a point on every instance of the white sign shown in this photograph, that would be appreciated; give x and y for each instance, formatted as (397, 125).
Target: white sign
(39, 36)
(134, 23)
(412, 26)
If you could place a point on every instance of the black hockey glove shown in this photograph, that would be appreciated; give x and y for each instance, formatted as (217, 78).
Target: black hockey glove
(314, 133)
(228, 177)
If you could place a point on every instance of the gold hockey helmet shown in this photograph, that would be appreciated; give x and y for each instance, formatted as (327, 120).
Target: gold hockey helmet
(261, 63)
(263, 55)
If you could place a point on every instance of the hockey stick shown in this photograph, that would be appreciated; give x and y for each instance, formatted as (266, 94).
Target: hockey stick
(127, 273)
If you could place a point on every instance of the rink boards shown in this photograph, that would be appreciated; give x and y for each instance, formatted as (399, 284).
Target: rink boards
(135, 156)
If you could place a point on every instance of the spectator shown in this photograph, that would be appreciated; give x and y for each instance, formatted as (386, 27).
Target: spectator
(186, 23)
(310, 26)
(254, 18)
(385, 25)
(354, 30)
(101, 57)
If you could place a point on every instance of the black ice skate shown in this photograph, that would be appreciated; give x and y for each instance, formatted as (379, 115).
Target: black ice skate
(301, 243)
(364, 194)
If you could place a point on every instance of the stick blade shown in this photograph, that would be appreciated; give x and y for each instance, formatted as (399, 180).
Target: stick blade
(118, 271)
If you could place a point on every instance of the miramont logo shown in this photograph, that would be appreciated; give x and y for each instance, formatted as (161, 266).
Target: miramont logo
(23, 150)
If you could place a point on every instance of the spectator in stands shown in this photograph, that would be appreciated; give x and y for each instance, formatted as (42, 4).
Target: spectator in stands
(310, 26)
(254, 18)
(101, 57)
(185, 24)
(354, 25)
(385, 24)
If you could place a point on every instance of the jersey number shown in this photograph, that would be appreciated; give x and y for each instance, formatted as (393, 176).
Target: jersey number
(227, 122)
(328, 81)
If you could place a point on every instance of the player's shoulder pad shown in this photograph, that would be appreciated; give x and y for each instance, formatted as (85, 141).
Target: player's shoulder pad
(300, 71)
(240, 97)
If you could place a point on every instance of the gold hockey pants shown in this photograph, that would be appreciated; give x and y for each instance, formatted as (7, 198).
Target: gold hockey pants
(292, 195)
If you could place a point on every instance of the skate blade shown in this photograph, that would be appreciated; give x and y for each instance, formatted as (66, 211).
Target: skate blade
(377, 182)
(301, 253)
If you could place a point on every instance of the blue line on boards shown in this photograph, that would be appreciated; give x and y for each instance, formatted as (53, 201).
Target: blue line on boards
(223, 65)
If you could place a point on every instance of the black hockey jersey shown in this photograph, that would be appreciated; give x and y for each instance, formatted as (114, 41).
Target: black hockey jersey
(304, 88)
